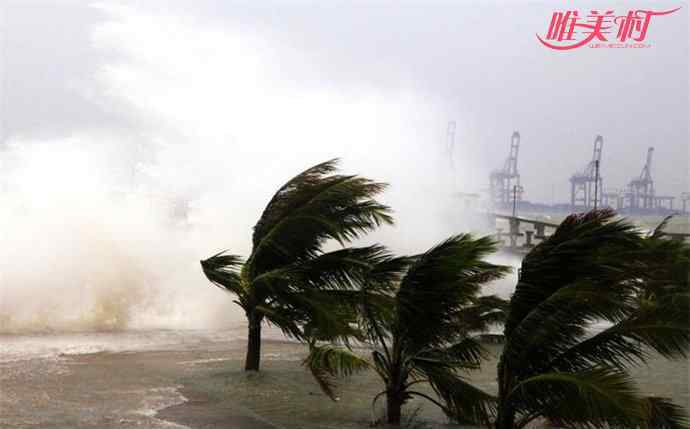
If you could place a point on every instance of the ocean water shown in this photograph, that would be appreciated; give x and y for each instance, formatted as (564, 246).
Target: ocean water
(69, 380)
(178, 379)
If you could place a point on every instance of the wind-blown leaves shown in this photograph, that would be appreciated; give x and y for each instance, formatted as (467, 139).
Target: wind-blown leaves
(223, 270)
(596, 398)
(483, 312)
(288, 276)
(595, 269)
(312, 208)
(659, 325)
(662, 414)
(441, 281)
(328, 363)
(462, 401)
(418, 315)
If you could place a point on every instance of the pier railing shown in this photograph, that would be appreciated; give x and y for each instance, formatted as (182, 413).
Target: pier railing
(522, 233)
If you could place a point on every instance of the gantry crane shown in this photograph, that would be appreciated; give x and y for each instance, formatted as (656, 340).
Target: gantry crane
(612, 198)
(640, 193)
(586, 184)
(504, 180)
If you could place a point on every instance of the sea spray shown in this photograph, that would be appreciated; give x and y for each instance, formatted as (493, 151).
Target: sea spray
(80, 253)
(103, 229)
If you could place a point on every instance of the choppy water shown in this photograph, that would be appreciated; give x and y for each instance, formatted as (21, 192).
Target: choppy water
(69, 380)
(122, 380)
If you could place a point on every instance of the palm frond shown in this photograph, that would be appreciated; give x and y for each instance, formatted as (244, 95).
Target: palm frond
(223, 270)
(660, 413)
(311, 315)
(584, 247)
(668, 266)
(328, 363)
(343, 269)
(463, 402)
(479, 316)
(594, 268)
(286, 318)
(659, 230)
(313, 207)
(329, 293)
(588, 271)
(660, 324)
(440, 282)
(464, 354)
(285, 199)
(468, 351)
(598, 398)
(561, 321)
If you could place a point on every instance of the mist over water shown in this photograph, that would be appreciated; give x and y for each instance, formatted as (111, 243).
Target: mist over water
(79, 252)
(103, 229)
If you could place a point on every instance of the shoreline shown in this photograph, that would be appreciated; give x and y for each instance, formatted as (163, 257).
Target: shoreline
(126, 389)
(199, 411)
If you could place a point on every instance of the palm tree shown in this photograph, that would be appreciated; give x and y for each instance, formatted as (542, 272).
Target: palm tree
(419, 329)
(594, 299)
(288, 269)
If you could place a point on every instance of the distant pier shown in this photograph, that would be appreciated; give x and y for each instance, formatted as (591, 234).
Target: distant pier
(517, 234)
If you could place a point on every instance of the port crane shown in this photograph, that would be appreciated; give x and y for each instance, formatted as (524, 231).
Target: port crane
(504, 181)
(586, 184)
(640, 194)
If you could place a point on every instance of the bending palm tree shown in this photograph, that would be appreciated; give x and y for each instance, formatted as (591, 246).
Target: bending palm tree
(555, 365)
(288, 270)
(423, 333)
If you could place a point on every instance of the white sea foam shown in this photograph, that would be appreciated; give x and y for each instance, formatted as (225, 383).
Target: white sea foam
(56, 346)
(160, 398)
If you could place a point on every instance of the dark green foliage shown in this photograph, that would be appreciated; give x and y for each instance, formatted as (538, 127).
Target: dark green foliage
(288, 275)
(594, 271)
(418, 316)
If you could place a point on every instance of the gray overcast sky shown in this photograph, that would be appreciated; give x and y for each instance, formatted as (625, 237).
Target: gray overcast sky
(129, 72)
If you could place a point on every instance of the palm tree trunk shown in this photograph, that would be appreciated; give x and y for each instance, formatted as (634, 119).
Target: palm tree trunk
(505, 416)
(253, 359)
(393, 408)
(505, 419)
